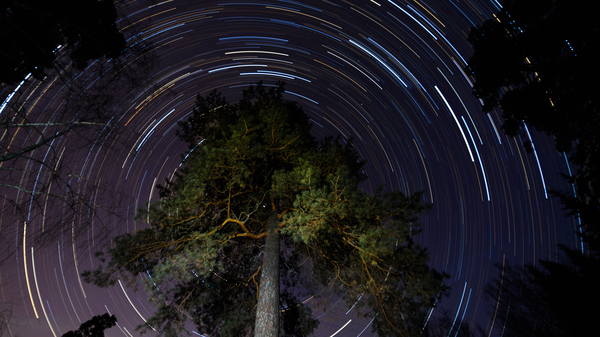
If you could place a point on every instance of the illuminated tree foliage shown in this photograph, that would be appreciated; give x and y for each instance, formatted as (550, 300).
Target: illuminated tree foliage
(255, 180)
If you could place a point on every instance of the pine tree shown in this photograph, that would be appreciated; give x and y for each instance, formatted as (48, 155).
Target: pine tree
(254, 180)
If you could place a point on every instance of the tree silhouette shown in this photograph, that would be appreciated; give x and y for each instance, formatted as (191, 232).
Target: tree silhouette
(255, 180)
(6, 310)
(446, 324)
(534, 60)
(32, 30)
(554, 299)
(94, 327)
(51, 109)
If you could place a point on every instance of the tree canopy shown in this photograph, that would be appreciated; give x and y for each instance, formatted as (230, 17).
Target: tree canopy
(32, 30)
(50, 109)
(94, 327)
(548, 300)
(252, 165)
(534, 60)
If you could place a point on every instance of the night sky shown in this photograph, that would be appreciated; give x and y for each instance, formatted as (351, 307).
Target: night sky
(386, 73)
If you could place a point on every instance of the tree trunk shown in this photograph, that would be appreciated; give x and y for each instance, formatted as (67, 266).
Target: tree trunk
(267, 312)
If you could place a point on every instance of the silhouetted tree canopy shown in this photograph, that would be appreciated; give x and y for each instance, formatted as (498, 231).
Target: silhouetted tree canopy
(76, 109)
(538, 60)
(553, 299)
(255, 175)
(94, 327)
(32, 30)
(446, 324)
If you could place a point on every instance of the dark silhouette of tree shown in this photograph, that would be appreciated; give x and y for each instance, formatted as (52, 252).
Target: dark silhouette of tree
(6, 310)
(94, 327)
(256, 180)
(535, 60)
(60, 109)
(554, 299)
(32, 30)
(447, 324)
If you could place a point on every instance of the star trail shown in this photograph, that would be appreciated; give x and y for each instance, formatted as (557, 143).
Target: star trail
(388, 74)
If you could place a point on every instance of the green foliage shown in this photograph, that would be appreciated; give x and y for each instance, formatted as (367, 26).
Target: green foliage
(204, 242)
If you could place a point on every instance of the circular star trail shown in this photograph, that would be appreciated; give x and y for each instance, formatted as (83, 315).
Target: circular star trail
(388, 74)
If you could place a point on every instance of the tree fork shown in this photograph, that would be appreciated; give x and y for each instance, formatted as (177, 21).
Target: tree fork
(267, 312)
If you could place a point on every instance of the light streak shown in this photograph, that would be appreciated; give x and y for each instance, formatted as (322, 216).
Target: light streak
(382, 62)
(65, 283)
(522, 164)
(237, 66)
(253, 38)
(261, 59)
(282, 74)
(499, 294)
(575, 195)
(335, 333)
(455, 317)
(152, 130)
(341, 73)
(412, 17)
(372, 319)
(25, 265)
(304, 14)
(75, 258)
(269, 74)
(256, 51)
(399, 63)
(464, 312)
(134, 308)
(422, 17)
(463, 73)
(538, 161)
(9, 97)
(306, 98)
(38, 292)
(51, 314)
(494, 125)
(479, 158)
(361, 295)
(461, 102)
(352, 65)
(457, 123)
(425, 168)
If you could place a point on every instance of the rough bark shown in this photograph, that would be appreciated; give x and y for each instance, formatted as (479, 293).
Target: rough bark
(267, 315)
